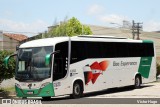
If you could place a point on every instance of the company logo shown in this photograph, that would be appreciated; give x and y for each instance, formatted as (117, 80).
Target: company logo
(93, 71)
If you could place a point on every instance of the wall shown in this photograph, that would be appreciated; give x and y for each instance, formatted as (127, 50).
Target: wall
(9, 43)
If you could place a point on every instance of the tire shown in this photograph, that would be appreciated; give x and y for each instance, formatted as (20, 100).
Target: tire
(137, 82)
(46, 98)
(77, 91)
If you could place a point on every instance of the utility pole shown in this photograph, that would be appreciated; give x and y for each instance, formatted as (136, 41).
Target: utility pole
(133, 27)
(136, 27)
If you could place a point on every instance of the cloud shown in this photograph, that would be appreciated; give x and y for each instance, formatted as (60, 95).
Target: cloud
(113, 18)
(95, 9)
(151, 26)
(16, 26)
(100, 14)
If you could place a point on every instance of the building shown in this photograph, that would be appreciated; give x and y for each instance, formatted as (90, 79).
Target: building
(9, 41)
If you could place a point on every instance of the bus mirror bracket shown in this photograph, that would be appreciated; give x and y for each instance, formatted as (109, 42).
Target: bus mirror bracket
(6, 60)
(48, 57)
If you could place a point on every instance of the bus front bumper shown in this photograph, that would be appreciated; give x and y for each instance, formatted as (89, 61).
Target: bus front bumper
(46, 91)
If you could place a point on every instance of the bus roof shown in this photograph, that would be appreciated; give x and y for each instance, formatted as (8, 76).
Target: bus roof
(103, 38)
(44, 42)
(55, 40)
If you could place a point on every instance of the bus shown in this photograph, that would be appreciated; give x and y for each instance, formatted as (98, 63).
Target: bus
(76, 65)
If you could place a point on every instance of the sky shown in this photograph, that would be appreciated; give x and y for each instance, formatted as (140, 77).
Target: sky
(31, 17)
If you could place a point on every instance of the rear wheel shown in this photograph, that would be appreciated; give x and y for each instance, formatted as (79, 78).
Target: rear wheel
(77, 90)
(137, 82)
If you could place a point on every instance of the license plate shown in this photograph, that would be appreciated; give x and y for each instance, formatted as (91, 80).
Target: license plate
(30, 92)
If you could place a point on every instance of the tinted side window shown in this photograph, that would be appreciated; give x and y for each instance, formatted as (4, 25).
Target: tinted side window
(107, 49)
(81, 50)
(94, 50)
(121, 49)
(148, 49)
(141, 49)
(78, 51)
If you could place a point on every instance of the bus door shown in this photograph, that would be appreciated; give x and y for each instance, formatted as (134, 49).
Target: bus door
(60, 68)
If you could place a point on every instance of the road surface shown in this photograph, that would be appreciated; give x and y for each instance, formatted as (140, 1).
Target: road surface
(148, 94)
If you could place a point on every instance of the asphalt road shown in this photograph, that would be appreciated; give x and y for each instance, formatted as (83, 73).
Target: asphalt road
(123, 95)
(147, 94)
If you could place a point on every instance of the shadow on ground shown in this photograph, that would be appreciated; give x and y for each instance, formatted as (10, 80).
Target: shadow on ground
(4, 94)
(114, 90)
(107, 91)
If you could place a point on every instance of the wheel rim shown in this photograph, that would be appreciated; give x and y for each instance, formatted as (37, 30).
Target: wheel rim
(137, 82)
(77, 89)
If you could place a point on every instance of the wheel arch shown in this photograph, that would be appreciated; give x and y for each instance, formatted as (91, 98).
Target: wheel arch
(80, 81)
(139, 75)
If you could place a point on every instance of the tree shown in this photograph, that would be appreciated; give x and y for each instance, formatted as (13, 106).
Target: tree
(6, 73)
(72, 27)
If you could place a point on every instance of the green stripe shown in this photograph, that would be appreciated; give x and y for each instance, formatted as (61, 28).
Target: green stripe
(147, 41)
(144, 67)
(48, 90)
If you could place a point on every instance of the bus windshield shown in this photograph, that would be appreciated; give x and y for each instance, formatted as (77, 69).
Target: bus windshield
(31, 64)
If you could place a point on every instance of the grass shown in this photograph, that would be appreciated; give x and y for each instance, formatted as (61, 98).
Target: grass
(7, 92)
(9, 89)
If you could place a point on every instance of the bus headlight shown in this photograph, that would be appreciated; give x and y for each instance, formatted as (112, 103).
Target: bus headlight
(18, 85)
(44, 84)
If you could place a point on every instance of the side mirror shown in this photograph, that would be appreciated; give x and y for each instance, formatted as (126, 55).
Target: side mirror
(6, 60)
(48, 57)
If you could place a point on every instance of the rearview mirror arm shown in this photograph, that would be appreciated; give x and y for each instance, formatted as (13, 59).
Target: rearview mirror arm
(55, 52)
(6, 60)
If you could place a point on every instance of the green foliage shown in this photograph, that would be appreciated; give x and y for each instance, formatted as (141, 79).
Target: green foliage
(158, 69)
(72, 27)
(6, 73)
(87, 30)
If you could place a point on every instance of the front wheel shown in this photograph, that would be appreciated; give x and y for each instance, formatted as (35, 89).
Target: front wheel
(77, 90)
(137, 82)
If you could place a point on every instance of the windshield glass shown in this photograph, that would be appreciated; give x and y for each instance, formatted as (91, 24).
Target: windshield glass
(31, 64)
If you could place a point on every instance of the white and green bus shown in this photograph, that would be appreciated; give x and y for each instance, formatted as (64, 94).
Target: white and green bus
(77, 65)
